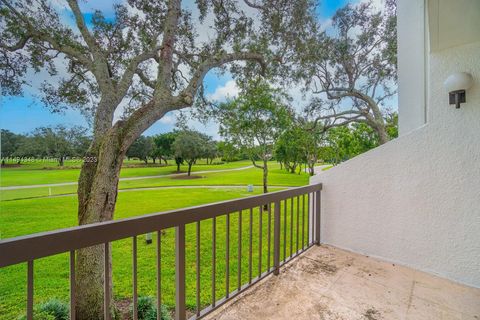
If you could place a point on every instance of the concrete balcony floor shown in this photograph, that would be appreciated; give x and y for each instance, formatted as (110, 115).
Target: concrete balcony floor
(329, 283)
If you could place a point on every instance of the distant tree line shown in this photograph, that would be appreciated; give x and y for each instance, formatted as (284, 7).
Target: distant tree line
(271, 132)
(61, 143)
(58, 142)
(184, 146)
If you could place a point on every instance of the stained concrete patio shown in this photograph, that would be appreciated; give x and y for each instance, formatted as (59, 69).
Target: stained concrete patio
(329, 283)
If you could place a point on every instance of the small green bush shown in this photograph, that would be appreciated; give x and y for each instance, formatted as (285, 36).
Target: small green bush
(58, 309)
(50, 310)
(147, 309)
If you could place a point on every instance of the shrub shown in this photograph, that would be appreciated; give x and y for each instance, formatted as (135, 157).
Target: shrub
(147, 310)
(50, 310)
(56, 308)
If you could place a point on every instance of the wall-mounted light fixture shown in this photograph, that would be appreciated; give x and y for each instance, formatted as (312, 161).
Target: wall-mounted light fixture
(456, 84)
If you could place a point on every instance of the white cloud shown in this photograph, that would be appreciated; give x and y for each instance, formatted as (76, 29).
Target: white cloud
(299, 99)
(168, 119)
(326, 25)
(228, 91)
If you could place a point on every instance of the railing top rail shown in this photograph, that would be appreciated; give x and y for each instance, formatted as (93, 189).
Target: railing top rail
(44, 244)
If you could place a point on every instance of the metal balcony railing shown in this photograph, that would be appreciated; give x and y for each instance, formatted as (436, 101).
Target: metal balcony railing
(296, 227)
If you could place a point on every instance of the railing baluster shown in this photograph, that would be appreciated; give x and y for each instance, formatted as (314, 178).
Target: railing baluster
(159, 275)
(227, 257)
(276, 238)
(198, 268)
(260, 241)
(134, 276)
(180, 313)
(309, 209)
(291, 227)
(72, 285)
(214, 255)
(317, 217)
(239, 258)
(30, 290)
(250, 247)
(285, 230)
(303, 222)
(308, 219)
(298, 223)
(106, 282)
(269, 235)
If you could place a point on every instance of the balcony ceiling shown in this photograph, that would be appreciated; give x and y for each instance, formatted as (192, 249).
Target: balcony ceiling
(453, 23)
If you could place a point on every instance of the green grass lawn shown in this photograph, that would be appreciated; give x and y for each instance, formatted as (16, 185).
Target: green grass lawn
(34, 173)
(26, 216)
(243, 177)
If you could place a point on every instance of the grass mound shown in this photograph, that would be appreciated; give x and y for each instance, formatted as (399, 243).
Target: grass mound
(185, 177)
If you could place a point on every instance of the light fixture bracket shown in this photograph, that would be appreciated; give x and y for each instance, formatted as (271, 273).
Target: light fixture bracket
(456, 97)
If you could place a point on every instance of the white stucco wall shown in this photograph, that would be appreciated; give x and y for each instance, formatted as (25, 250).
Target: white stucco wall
(416, 200)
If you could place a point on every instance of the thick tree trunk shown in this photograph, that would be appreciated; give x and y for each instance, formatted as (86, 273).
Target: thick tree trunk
(377, 122)
(265, 177)
(97, 195)
(60, 161)
(293, 167)
(189, 168)
(382, 134)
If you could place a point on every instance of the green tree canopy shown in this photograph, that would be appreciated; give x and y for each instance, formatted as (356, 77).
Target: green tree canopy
(141, 148)
(290, 148)
(9, 143)
(354, 66)
(190, 145)
(255, 120)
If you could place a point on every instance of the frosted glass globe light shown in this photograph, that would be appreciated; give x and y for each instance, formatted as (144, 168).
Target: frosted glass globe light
(458, 81)
(456, 84)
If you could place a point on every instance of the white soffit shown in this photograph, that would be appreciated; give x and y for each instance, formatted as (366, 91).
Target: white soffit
(453, 23)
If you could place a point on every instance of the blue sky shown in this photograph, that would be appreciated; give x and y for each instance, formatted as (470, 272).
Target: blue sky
(23, 114)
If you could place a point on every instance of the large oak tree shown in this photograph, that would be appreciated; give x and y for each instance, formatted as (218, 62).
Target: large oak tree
(353, 65)
(149, 59)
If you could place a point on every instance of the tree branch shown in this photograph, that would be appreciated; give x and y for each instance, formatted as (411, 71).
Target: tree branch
(255, 163)
(346, 121)
(188, 94)
(253, 5)
(132, 68)
(73, 4)
(36, 34)
(145, 79)
(165, 65)
(17, 46)
(145, 116)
